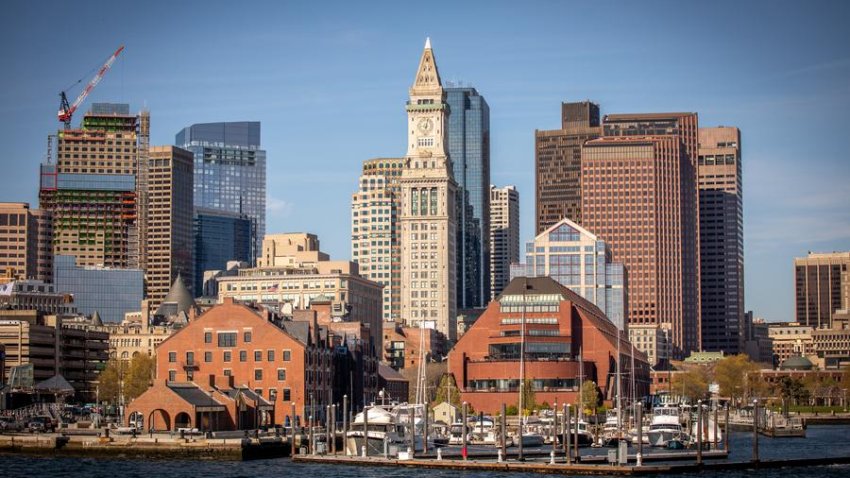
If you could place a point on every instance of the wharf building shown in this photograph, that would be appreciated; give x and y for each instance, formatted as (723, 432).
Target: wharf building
(375, 242)
(468, 144)
(111, 292)
(169, 237)
(818, 282)
(428, 223)
(721, 230)
(220, 237)
(580, 261)
(504, 236)
(639, 194)
(557, 164)
(405, 347)
(26, 242)
(790, 340)
(567, 340)
(230, 170)
(91, 192)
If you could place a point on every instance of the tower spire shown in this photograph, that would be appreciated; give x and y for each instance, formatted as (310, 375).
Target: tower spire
(427, 79)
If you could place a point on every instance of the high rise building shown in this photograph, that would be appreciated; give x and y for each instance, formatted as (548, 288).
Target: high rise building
(374, 236)
(169, 238)
(580, 261)
(818, 287)
(26, 245)
(721, 230)
(428, 207)
(504, 236)
(638, 193)
(230, 169)
(90, 191)
(557, 164)
(468, 135)
(220, 237)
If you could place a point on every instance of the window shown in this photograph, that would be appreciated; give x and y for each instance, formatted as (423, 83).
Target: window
(190, 358)
(172, 357)
(246, 337)
(207, 337)
(172, 375)
(227, 356)
(287, 395)
(258, 356)
(207, 357)
(270, 355)
(190, 375)
(281, 374)
(243, 356)
(287, 355)
(258, 374)
(227, 339)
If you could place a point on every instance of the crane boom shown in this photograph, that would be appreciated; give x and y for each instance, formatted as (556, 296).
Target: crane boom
(66, 110)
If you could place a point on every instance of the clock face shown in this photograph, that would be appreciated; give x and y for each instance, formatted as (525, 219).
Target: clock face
(425, 125)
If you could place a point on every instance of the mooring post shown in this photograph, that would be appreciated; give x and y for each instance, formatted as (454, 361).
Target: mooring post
(576, 456)
(463, 437)
(755, 431)
(716, 428)
(699, 432)
(425, 420)
(726, 430)
(365, 431)
(567, 432)
(554, 431)
(411, 423)
(503, 430)
(639, 425)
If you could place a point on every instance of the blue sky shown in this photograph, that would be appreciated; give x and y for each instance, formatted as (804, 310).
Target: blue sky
(328, 81)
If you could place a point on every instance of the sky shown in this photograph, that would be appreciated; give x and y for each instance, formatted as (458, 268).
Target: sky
(328, 81)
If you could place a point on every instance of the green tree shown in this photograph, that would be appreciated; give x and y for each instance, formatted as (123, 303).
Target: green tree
(792, 389)
(109, 381)
(589, 396)
(731, 374)
(130, 378)
(529, 398)
(139, 376)
(693, 383)
(447, 390)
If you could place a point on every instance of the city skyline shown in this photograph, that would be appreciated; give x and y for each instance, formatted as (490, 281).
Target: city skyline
(762, 80)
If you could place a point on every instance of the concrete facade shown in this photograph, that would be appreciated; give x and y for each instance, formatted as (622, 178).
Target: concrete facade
(32, 229)
(818, 287)
(504, 236)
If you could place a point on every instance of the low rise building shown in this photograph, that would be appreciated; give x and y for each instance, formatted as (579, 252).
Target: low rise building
(108, 291)
(790, 339)
(567, 340)
(36, 295)
(404, 347)
(392, 384)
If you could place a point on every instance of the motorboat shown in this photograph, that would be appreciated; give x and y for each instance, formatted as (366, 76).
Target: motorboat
(456, 432)
(532, 439)
(584, 436)
(384, 430)
(612, 432)
(666, 425)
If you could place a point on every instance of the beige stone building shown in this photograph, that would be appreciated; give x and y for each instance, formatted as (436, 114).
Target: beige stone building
(428, 217)
(790, 339)
(25, 242)
(504, 236)
(818, 286)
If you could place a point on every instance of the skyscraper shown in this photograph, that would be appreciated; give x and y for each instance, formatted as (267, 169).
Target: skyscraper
(639, 195)
(469, 149)
(818, 286)
(220, 237)
(504, 236)
(374, 229)
(230, 169)
(91, 189)
(169, 237)
(721, 230)
(26, 246)
(427, 217)
(557, 164)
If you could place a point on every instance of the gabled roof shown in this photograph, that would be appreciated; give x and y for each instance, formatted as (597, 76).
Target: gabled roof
(193, 395)
(581, 230)
(56, 384)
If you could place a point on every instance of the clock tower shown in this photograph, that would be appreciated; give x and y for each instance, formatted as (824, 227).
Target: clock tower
(427, 218)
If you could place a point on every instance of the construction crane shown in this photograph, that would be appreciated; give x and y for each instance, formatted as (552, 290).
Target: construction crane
(67, 110)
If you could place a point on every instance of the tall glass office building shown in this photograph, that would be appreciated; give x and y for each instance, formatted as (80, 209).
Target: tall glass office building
(230, 170)
(469, 151)
(219, 237)
(110, 292)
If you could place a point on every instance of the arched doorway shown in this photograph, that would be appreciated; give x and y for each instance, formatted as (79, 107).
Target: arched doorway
(182, 420)
(159, 420)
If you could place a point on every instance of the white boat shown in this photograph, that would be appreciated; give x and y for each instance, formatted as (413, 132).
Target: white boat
(456, 432)
(666, 425)
(585, 436)
(708, 435)
(384, 431)
(532, 439)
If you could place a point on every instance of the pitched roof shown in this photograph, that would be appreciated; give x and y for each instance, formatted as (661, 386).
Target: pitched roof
(389, 374)
(178, 295)
(193, 395)
(56, 383)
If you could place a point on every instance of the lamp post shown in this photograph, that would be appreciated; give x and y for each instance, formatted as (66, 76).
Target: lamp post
(844, 398)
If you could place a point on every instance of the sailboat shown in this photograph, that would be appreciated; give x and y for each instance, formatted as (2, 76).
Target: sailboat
(526, 438)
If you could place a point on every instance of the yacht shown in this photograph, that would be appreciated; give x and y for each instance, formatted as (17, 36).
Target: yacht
(585, 437)
(384, 428)
(666, 425)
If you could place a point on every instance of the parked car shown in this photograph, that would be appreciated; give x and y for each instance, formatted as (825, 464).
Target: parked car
(41, 424)
(11, 424)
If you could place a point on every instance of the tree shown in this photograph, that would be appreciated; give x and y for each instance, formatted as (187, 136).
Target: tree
(130, 378)
(139, 376)
(447, 390)
(109, 381)
(528, 396)
(731, 374)
(792, 389)
(589, 395)
(693, 383)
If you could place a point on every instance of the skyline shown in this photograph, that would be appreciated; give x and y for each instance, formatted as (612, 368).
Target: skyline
(786, 92)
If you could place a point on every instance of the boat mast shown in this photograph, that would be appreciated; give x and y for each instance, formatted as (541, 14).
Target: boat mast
(522, 355)
(619, 388)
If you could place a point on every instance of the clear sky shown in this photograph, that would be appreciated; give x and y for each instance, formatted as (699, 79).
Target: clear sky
(328, 81)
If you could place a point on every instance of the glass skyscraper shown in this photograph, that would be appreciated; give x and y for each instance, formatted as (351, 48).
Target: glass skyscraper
(230, 170)
(110, 292)
(469, 151)
(219, 237)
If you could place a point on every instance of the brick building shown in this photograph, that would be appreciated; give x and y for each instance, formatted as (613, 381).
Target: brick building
(568, 339)
(402, 345)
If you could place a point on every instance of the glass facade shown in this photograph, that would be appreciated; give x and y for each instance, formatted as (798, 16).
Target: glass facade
(110, 292)
(581, 262)
(230, 170)
(469, 151)
(219, 237)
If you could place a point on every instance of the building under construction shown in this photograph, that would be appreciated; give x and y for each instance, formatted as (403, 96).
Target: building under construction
(91, 188)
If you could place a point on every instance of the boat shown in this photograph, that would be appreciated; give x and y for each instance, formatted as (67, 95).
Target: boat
(612, 433)
(666, 425)
(712, 432)
(384, 431)
(532, 439)
(583, 435)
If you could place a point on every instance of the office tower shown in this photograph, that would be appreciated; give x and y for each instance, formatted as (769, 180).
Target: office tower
(169, 235)
(557, 164)
(639, 195)
(374, 236)
(504, 236)
(469, 149)
(108, 291)
(818, 286)
(230, 170)
(427, 217)
(91, 189)
(579, 260)
(721, 231)
(220, 237)
(26, 246)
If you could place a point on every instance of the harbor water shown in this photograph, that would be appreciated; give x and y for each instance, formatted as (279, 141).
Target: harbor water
(821, 441)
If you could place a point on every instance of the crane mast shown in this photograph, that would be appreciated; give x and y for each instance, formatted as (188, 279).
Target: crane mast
(66, 110)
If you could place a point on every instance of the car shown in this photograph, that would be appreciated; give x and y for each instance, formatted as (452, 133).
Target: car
(8, 423)
(41, 424)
